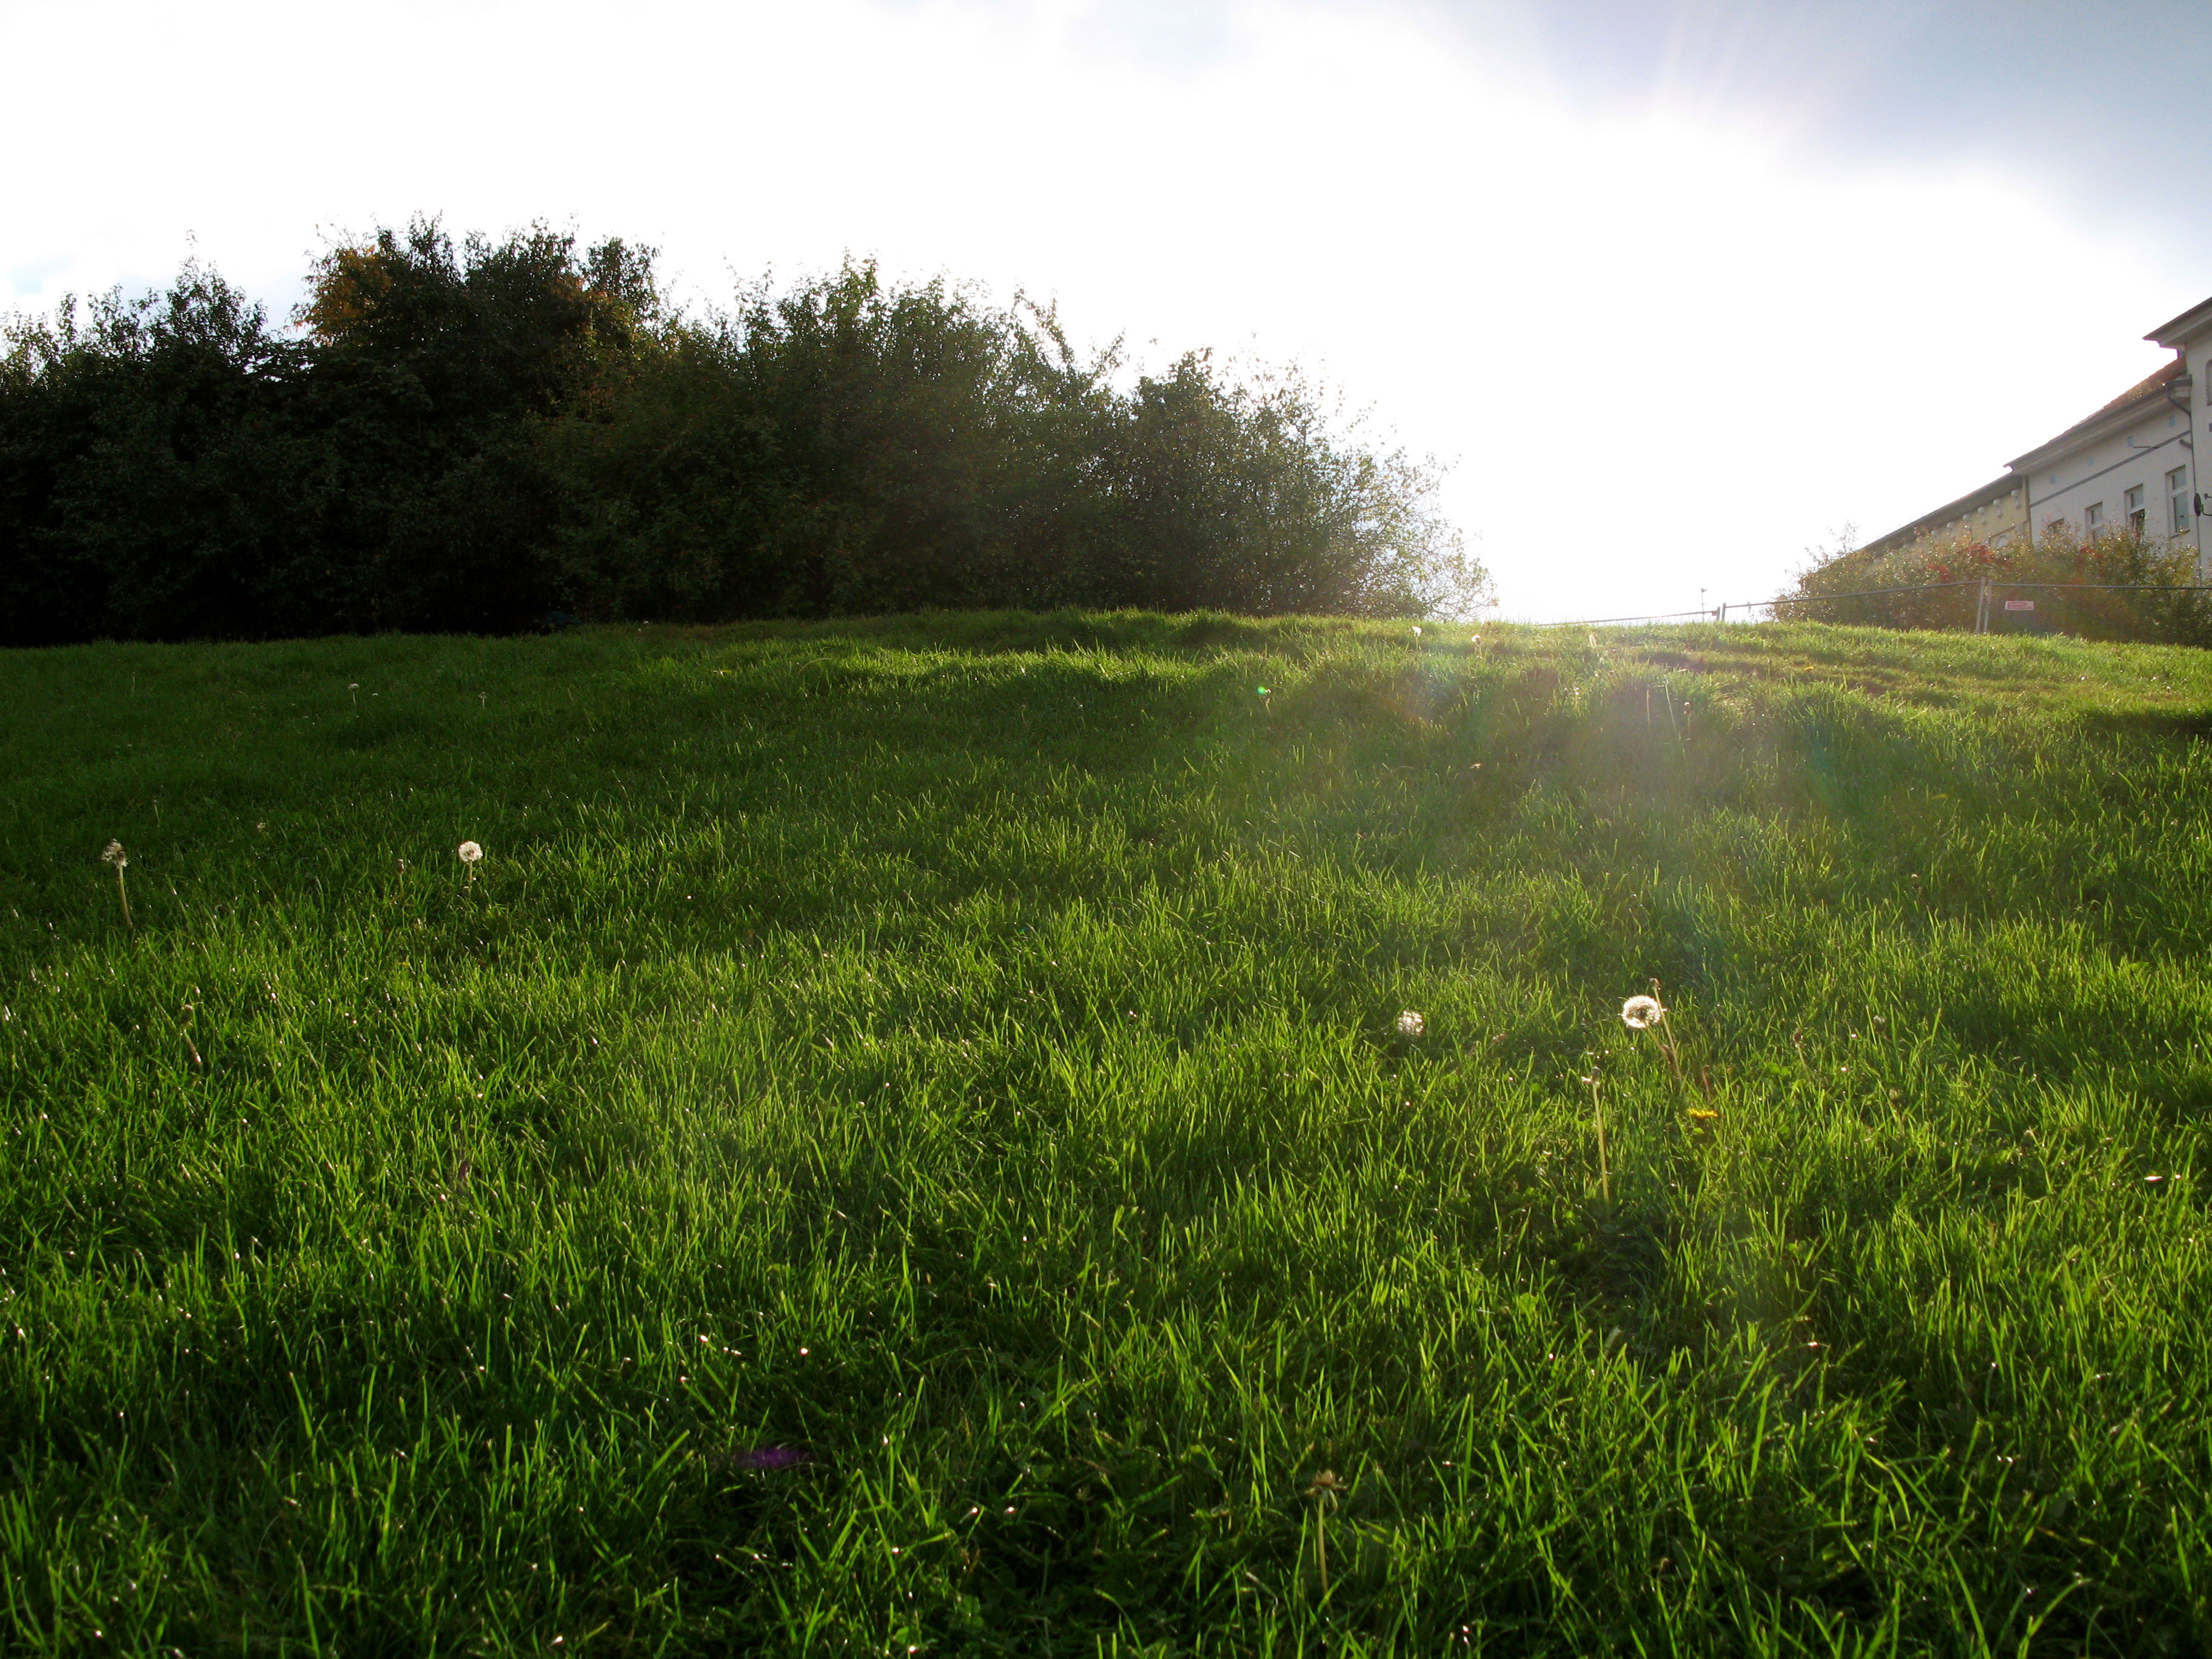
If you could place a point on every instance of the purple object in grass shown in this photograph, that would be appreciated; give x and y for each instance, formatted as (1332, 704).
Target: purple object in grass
(770, 1457)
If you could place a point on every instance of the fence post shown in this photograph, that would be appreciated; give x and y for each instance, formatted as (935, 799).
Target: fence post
(1982, 609)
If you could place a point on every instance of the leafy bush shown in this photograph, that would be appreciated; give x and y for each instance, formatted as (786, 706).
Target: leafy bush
(149, 486)
(175, 469)
(464, 436)
(2149, 586)
(849, 447)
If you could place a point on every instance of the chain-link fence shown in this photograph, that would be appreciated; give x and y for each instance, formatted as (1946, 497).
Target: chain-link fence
(2141, 610)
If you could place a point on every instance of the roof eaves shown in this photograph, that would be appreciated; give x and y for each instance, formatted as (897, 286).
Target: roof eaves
(2140, 392)
(1995, 490)
(2179, 331)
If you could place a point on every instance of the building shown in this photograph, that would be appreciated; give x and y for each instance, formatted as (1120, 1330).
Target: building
(2131, 463)
(1994, 513)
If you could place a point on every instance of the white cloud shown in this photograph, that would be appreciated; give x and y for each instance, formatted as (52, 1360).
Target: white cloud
(1665, 355)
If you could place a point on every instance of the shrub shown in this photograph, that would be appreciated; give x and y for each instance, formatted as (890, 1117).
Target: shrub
(2148, 585)
(849, 447)
(150, 485)
(173, 468)
(462, 437)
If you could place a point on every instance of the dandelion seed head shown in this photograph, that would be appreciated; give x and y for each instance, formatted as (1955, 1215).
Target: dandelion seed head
(470, 852)
(115, 854)
(1641, 1014)
(1410, 1024)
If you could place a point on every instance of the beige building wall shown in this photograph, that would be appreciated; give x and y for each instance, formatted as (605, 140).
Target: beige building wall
(1994, 513)
(1998, 521)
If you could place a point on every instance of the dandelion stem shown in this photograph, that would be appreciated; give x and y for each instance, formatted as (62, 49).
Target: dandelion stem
(1323, 1489)
(1604, 1166)
(115, 855)
(1667, 1040)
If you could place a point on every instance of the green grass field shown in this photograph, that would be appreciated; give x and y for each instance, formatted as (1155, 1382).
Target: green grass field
(903, 1145)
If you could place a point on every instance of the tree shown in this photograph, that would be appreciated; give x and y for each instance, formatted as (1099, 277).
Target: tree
(151, 486)
(849, 446)
(462, 435)
(436, 368)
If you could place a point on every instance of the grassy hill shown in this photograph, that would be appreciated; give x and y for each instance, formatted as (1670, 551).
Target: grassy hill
(902, 1143)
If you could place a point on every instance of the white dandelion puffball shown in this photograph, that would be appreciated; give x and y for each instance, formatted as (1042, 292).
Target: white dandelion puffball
(1411, 1024)
(470, 853)
(1641, 1014)
(1417, 631)
(113, 855)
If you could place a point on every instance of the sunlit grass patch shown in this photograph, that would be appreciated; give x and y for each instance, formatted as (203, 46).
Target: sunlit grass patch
(987, 1133)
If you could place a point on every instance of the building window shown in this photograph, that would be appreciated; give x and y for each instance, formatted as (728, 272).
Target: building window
(2093, 517)
(2177, 499)
(2137, 517)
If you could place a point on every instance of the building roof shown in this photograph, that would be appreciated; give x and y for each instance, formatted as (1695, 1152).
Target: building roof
(2135, 394)
(1995, 490)
(2151, 388)
(2181, 330)
(2113, 416)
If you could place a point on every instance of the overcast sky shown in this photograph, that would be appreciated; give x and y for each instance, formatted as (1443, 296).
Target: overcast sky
(1677, 291)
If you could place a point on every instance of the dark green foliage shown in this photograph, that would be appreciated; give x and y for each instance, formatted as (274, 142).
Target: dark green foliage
(850, 448)
(461, 437)
(836, 449)
(175, 470)
(436, 370)
(1236, 499)
(149, 472)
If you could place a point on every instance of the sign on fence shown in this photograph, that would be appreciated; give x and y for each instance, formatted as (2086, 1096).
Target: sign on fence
(2020, 604)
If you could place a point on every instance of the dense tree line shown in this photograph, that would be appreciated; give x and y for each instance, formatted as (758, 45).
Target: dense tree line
(470, 435)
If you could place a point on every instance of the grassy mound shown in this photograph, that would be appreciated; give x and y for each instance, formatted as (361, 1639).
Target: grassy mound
(903, 1143)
